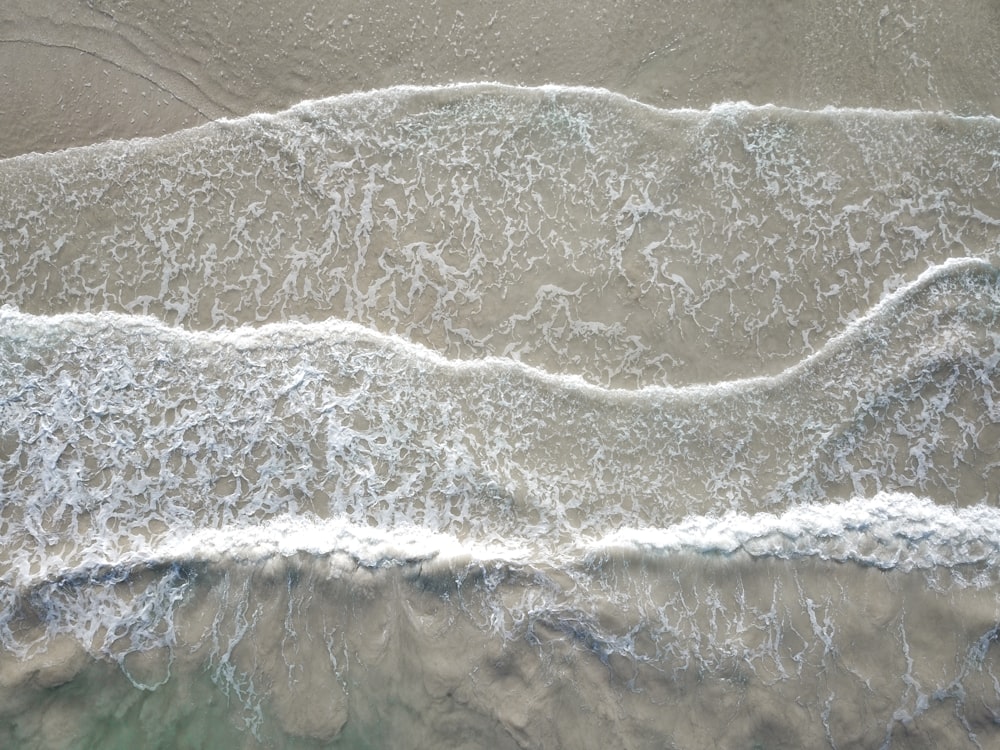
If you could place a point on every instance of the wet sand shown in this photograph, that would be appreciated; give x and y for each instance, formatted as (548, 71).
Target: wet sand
(74, 74)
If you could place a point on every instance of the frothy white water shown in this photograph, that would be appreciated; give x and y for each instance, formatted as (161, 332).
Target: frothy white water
(121, 430)
(891, 531)
(882, 317)
(888, 531)
(572, 229)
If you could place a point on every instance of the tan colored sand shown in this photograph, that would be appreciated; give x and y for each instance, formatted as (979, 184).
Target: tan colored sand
(78, 73)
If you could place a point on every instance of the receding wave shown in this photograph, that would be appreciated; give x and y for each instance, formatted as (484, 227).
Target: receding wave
(571, 229)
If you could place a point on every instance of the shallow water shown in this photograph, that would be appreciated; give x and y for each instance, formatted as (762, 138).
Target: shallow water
(494, 416)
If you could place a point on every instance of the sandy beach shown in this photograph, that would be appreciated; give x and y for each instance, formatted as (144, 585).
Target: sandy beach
(79, 73)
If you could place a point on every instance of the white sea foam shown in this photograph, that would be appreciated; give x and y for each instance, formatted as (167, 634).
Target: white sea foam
(888, 531)
(393, 94)
(568, 228)
(128, 428)
(880, 317)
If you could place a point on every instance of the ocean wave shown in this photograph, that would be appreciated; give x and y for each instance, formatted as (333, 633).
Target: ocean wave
(118, 430)
(975, 284)
(566, 228)
(890, 531)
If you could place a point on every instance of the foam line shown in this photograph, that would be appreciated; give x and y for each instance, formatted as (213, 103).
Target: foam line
(889, 531)
(248, 338)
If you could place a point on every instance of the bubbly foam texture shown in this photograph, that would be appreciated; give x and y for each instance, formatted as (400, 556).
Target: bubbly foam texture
(572, 229)
(121, 430)
(888, 531)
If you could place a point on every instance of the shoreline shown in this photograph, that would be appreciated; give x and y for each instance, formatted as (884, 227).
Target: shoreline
(81, 75)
